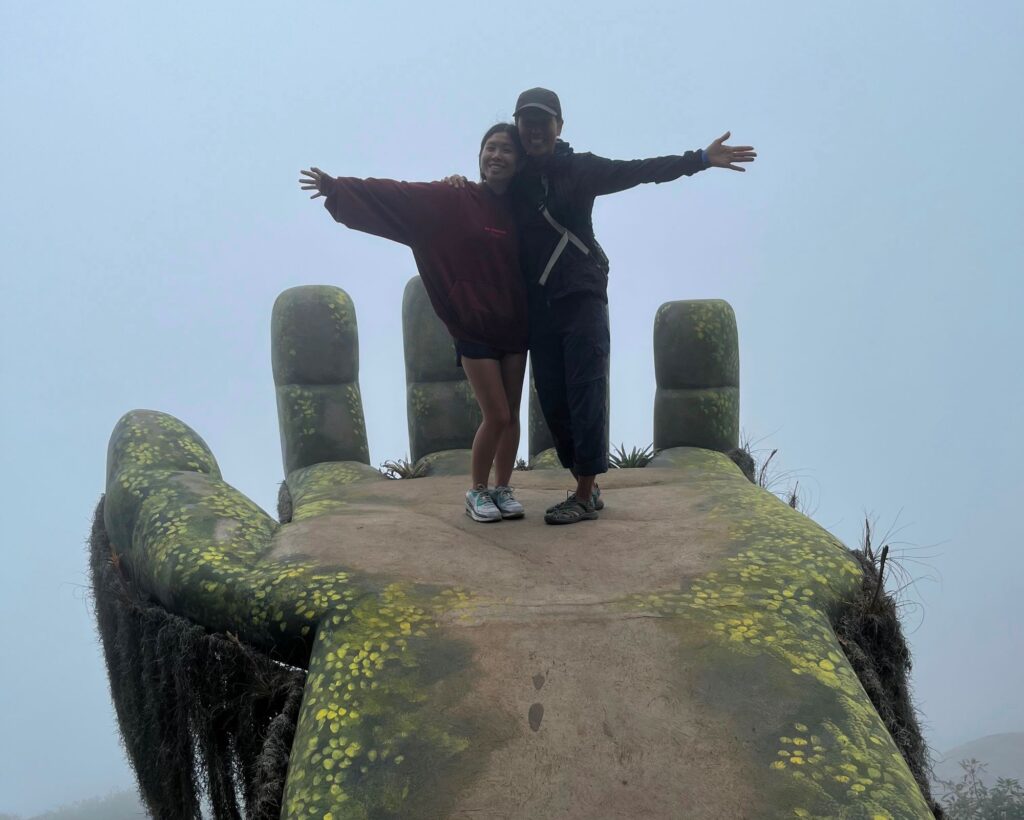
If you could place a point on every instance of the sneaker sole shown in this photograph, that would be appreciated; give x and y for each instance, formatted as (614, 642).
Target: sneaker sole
(480, 518)
(511, 516)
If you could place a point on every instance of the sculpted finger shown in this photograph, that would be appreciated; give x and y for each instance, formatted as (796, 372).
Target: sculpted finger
(315, 355)
(442, 410)
(696, 367)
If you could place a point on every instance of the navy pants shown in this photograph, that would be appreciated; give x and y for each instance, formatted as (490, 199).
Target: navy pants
(569, 346)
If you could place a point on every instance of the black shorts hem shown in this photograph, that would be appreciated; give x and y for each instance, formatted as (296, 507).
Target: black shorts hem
(475, 350)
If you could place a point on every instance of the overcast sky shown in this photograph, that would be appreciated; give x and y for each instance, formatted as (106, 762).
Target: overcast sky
(149, 216)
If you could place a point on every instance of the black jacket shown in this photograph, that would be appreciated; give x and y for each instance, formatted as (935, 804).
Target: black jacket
(568, 184)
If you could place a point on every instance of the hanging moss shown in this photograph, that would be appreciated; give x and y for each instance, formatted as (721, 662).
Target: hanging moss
(742, 458)
(199, 713)
(869, 632)
(284, 503)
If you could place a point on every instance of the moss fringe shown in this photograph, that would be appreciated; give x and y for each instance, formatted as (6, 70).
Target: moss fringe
(284, 503)
(200, 714)
(870, 634)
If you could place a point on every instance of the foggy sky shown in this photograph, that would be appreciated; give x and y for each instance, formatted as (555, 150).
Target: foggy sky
(149, 216)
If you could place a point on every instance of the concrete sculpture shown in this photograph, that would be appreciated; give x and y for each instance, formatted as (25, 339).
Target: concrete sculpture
(676, 659)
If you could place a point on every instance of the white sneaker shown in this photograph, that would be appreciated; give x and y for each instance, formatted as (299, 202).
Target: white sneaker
(506, 502)
(480, 507)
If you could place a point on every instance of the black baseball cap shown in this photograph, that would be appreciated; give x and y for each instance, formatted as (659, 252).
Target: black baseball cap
(541, 99)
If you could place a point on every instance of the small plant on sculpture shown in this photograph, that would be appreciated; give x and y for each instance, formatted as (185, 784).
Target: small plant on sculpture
(403, 468)
(620, 459)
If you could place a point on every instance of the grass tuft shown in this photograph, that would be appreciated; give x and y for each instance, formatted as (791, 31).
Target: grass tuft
(619, 459)
(403, 468)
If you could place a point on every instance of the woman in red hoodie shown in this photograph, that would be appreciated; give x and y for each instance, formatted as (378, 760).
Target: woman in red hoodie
(466, 248)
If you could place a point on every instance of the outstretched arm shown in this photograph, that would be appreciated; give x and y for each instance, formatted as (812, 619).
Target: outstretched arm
(608, 176)
(401, 211)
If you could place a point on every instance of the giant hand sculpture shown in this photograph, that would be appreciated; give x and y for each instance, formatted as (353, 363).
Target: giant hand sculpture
(675, 659)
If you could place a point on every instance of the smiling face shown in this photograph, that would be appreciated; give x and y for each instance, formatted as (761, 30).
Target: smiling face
(499, 158)
(538, 132)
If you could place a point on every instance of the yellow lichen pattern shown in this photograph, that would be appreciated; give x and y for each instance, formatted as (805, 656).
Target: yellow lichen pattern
(419, 402)
(366, 720)
(366, 733)
(771, 600)
(319, 489)
(711, 323)
(342, 310)
(548, 460)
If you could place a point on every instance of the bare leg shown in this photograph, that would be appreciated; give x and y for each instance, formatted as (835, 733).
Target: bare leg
(486, 379)
(584, 487)
(513, 369)
(587, 483)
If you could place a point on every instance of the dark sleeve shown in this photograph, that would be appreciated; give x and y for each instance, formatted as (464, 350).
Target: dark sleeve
(401, 211)
(600, 176)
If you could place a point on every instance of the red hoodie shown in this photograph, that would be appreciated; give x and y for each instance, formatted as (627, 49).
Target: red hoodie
(465, 245)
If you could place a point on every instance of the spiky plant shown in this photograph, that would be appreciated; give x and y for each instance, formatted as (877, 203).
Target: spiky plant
(403, 468)
(620, 459)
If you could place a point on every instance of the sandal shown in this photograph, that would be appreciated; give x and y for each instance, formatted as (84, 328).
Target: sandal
(571, 511)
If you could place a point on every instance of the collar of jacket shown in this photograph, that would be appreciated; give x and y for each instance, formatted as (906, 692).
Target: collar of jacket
(559, 159)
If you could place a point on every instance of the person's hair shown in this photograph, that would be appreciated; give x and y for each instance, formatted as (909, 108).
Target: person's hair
(506, 128)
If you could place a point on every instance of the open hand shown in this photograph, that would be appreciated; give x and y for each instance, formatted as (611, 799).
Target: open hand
(424, 641)
(721, 155)
(315, 180)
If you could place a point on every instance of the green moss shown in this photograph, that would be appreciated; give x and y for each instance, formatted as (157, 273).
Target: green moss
(321, 488)
(374, 735)
(767, 606)
(548, 460)
(697, 417)
(321, 423)
(445, 462)
(380, 732)
(696, 344)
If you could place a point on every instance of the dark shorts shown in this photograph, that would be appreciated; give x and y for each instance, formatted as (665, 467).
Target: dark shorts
(472, 350)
